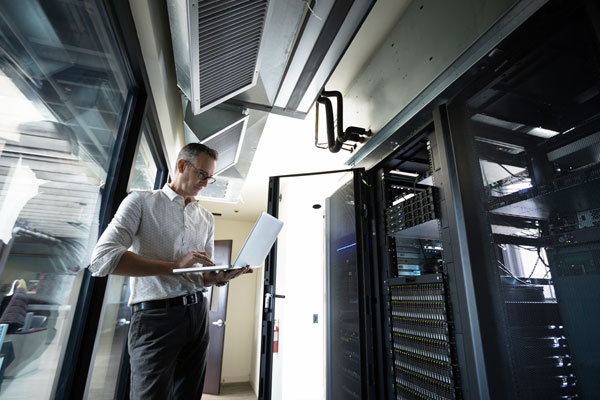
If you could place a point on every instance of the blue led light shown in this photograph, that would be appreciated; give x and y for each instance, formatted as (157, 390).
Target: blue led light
(346, 247)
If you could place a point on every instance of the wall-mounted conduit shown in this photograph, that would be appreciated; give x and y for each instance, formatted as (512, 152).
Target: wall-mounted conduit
(352, 133)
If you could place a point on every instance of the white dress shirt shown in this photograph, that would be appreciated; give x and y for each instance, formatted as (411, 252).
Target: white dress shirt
(155, 224)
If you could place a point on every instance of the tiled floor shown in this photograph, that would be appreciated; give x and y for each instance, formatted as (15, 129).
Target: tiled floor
(233, 391)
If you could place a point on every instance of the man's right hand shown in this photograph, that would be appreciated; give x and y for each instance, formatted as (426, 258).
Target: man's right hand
(193, 257)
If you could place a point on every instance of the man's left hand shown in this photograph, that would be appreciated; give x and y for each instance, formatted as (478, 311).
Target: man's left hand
(222, 277)
(226, 276)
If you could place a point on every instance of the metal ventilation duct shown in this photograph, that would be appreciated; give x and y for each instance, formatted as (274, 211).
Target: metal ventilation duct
(302, 45)
(218, 126)
(221, 128)
(215, 45)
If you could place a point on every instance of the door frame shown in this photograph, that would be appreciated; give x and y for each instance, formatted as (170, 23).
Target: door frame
(214, 359)
(270, 275)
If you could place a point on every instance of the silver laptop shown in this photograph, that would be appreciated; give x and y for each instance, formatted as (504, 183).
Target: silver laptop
(255, 250)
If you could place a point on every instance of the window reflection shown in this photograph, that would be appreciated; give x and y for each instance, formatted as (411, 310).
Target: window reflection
(109, 365)
(62, 97)
(144, 171)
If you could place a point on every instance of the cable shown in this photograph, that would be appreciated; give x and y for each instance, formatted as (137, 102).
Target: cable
(534, 266)
(532, 248)
(503, 268)
(539, 251)
(311, 10)
(415, 184)
(507, 170)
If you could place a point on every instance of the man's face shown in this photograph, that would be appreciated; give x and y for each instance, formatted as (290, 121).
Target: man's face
(195, 175)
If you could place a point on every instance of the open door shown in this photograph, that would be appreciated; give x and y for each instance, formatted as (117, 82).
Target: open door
(314, 328)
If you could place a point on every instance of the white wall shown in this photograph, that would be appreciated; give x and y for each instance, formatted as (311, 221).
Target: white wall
(240, 329)
(299, 366)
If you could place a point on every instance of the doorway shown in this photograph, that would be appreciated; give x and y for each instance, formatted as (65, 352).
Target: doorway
(298, 349)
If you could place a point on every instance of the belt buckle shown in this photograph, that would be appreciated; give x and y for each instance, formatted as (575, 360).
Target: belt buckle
(190, 299)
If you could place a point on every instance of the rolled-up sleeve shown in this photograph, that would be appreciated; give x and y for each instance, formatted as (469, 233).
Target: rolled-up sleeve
(118, 236)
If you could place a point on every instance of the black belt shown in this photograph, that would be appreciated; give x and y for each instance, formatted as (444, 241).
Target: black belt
(185, 300)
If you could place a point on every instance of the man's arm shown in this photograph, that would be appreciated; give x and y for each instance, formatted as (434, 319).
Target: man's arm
(132, 264)
(111, 254)
(117, 237)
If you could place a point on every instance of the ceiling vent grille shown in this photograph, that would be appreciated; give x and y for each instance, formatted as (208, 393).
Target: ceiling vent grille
(218, 57)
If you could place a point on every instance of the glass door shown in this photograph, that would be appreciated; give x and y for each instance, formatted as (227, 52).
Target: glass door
(110, 366)
(313, 329)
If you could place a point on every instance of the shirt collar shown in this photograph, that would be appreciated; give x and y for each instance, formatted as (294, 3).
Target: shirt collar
(171, 194)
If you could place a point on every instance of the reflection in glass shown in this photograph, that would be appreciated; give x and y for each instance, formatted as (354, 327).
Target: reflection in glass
(108, 365)
(62, 96)
(144, 170)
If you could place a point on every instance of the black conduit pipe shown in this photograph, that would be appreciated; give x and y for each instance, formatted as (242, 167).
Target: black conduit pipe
(352, 133)
(340, 112)
(334, 143)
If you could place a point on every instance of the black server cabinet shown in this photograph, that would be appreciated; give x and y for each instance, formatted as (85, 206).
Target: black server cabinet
(418, 321)
(349, 335)
(524, 140)
(501, 215)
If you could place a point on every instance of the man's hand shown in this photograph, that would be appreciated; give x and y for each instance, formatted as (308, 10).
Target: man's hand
(193, 257)
(232, 274)
(222, 277)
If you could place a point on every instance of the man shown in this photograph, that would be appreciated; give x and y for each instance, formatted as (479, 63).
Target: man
(152, 233)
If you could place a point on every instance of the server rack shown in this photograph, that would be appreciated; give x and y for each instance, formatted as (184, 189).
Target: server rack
(419, 329)
(514, 160)
(352, 357)
(485, 274)
(524, 137)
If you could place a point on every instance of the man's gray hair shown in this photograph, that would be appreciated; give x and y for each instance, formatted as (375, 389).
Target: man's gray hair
(190, 151)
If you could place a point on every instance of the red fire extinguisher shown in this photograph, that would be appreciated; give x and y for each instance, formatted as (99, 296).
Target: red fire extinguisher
(276, 337)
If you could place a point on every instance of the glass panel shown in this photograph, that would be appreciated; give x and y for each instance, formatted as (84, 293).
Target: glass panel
(344, 371)
(299, 348)
(62, 97)
(145, 169)
(535, 128)
(108, 364)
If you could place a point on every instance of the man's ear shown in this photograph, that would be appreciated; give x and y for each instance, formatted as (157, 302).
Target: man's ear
(180, 165)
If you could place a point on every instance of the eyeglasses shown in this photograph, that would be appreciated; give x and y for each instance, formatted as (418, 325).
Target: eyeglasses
(202, 175)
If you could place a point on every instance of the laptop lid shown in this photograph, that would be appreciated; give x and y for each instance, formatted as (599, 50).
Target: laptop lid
(255, 249)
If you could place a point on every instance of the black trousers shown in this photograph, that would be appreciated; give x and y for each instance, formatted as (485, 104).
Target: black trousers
(168, 350)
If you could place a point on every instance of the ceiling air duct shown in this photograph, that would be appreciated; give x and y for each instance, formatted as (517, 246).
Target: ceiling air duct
(222, 128)
(235, 133)
(303, 43)
(215, 46)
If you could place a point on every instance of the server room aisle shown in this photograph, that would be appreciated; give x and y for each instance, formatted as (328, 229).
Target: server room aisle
(233, 391)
